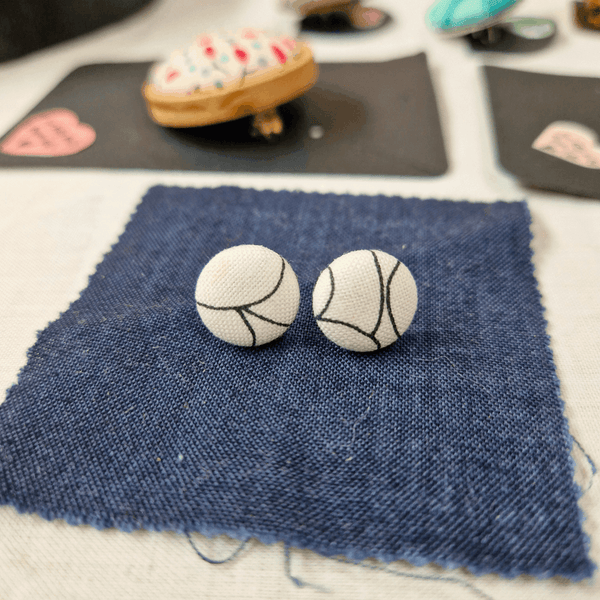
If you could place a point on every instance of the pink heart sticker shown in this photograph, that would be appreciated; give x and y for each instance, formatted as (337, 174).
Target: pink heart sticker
(56, 132)
(570, 142)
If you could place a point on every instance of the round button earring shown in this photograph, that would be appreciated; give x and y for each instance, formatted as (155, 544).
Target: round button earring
(247, 295)
(364, 300)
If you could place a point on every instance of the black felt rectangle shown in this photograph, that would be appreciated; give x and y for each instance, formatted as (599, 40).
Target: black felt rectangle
(523, 105)
(377, 119)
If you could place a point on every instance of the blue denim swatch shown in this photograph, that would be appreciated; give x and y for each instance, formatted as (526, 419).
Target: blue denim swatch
(448, 446)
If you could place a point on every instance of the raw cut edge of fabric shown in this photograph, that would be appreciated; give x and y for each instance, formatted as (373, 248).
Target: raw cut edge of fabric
(267, 538)
(577, 489)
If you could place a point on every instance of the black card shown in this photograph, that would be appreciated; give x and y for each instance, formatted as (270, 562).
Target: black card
(360, 118)
(524, 106)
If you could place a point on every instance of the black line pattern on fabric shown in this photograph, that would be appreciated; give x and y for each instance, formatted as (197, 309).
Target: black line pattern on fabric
(212, 561)
(330, 293)
(263, 318)
(384, 298)
(387, 297)
(246, 307)
(370, 336)
(240, 312)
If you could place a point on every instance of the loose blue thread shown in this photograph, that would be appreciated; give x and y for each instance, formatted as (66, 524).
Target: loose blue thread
(590, 461)
(299, 582)
(465, 584)
(212, 561)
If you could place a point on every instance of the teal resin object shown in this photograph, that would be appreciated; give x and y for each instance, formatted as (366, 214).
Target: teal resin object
(461, 17)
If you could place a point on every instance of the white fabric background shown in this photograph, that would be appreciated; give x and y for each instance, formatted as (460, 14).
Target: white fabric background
(56, 225)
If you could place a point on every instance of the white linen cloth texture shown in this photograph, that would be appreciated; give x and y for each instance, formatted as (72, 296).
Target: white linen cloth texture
(365, 300)
(247, 295)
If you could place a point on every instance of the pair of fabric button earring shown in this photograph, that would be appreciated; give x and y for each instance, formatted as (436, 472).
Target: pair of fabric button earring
(249, 295)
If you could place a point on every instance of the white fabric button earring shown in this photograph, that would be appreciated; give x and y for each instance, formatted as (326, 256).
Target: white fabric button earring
(247, 295)
(365, 300)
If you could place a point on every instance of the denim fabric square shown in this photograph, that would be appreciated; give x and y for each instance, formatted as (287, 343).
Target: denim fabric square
(448, 446)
